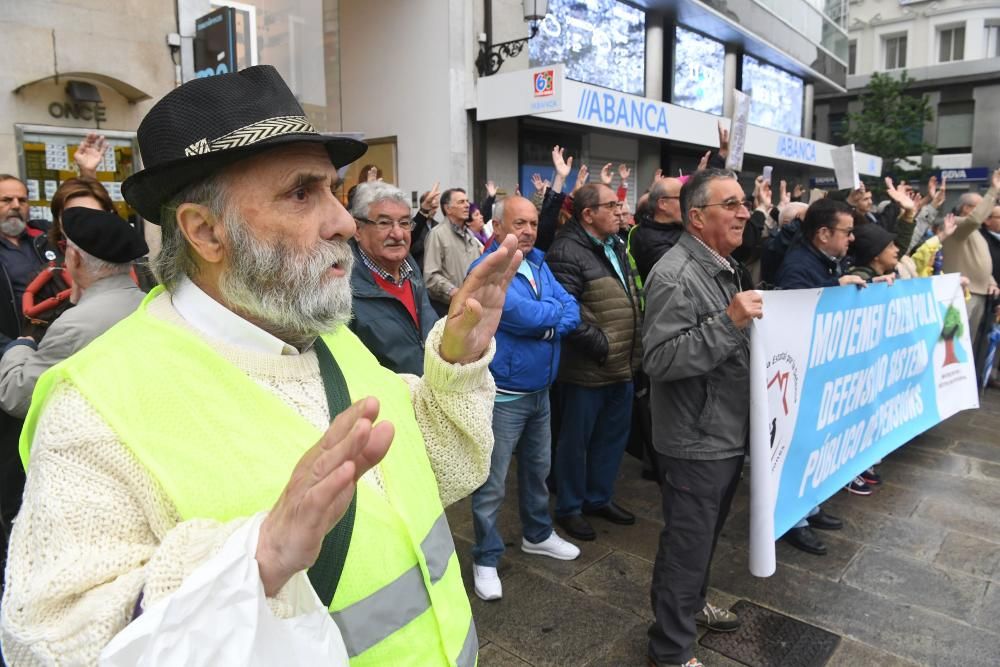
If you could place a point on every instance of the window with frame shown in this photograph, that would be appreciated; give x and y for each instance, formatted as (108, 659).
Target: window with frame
(951, 44)
(852, 56)
(894, 47)
(954, 131)
(991, 42)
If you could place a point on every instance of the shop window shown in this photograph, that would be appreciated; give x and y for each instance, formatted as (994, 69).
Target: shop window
(852, 57)
(894, 48)
(838, 128)
(951, 44)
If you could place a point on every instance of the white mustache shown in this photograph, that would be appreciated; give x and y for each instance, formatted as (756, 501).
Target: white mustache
(393, 244)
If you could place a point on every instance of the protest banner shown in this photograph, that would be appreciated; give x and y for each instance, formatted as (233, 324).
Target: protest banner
(738, 130)
(845, 166)
(862, 372)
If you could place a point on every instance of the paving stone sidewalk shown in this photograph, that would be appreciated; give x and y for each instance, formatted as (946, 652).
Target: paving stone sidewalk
(912, 579)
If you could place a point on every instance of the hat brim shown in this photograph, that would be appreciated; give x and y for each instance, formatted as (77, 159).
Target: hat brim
(146, 191)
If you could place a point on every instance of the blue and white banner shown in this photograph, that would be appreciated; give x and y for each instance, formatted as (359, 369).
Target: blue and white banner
(839, 378)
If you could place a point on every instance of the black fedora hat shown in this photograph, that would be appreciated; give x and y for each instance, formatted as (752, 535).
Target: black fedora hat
(208, 123)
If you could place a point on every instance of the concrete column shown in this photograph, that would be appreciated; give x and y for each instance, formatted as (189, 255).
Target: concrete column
(729, 81)
(807, 110)
(654, 57)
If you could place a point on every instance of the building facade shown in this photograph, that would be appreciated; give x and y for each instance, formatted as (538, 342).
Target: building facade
(74, 68)
(951, 48)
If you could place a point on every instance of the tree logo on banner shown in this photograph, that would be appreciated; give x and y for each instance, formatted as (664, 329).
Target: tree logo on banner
(951, 330)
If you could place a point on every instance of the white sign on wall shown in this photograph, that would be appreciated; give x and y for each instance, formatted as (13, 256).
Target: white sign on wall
(522, 93)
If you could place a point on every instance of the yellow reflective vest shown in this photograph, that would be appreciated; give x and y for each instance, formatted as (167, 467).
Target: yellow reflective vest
(223, 447)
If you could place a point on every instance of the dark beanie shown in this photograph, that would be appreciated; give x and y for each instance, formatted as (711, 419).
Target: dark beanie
(869, 241)
(103, 235)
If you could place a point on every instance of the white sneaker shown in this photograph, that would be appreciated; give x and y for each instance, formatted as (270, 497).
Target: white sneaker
(553, 547)
(487, 583)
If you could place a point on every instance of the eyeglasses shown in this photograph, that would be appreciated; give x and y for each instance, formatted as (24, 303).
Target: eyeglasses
(732, 205)
(847, 232)
(609, 205)
(386, 224)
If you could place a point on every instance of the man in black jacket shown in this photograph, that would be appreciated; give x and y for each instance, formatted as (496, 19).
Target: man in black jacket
(392, 314)
(657, 234)
(599, 361)
(20, 260)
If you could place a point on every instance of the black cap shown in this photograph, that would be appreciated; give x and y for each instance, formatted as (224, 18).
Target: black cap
(869, 241)
(103, 235)
(208, 123)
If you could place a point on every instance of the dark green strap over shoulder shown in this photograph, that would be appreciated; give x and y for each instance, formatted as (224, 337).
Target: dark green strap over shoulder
(325, 572)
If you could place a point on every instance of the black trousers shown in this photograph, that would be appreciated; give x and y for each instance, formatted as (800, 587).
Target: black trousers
(696, 500)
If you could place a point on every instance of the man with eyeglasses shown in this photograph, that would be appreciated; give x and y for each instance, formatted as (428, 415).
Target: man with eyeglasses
(659, 232)
(817, 260)
(696, 342)
(450, 249)
(392, 313)
(599, 361)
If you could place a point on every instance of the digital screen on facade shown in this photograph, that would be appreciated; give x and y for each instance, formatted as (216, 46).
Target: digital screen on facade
(601, 42)
(699, 69)
(776, 96)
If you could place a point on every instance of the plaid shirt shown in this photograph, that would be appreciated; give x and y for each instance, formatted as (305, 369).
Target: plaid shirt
(404, 271)
(719, 259)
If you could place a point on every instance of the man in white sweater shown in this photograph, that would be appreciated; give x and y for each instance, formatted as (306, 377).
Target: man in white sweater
(211, 407)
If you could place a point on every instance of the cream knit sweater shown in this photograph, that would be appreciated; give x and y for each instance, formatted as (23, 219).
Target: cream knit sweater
(96, 530)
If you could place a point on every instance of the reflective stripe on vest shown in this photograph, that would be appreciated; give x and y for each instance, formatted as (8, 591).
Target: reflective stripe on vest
(222, 447)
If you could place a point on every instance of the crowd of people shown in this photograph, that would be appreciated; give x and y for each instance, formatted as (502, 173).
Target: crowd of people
(330, 378)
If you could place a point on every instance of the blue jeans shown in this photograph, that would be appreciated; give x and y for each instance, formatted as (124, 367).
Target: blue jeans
(520, 426)
(592, 436)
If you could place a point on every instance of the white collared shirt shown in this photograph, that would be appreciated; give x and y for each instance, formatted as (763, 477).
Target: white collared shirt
(216, 321)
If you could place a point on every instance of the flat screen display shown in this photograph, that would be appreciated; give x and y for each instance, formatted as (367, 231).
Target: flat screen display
(776, 96)
(699, 72)
(601, 42)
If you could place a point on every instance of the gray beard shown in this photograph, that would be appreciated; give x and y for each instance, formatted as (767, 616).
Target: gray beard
(284, 289)
(12, 226)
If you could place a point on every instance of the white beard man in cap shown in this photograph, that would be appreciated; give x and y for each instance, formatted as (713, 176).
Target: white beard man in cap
(211, 406)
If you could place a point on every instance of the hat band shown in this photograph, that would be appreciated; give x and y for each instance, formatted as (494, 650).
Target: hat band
(252, 134)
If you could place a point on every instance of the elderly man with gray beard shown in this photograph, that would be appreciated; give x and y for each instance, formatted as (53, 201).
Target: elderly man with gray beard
(203, 422)
(20, 260)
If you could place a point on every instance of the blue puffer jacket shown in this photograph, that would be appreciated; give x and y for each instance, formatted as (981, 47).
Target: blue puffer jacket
(528, 338)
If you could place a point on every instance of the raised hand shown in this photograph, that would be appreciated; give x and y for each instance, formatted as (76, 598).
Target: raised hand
(474, 313)
(89, 154)
(784, 199)
(948, 227)
(606, 174)
(762, 195)
(581, 177)
(491, 189)
(703, 162)
(938, 200)
(723, 142)
(536, 180)
(899, 195)
(798, 190)
(624, 172)
(657, 176)
(318, 493)
(430, 202)
(562, 168)
(372, 175)
(995, 179)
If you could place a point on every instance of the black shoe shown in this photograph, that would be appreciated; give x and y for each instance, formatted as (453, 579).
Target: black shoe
(576, 526)
(805, 539)
(825, 521)
(613, 513)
